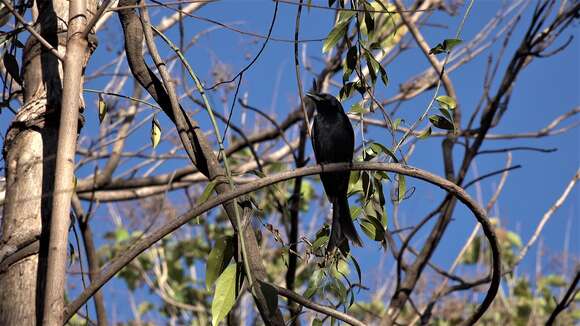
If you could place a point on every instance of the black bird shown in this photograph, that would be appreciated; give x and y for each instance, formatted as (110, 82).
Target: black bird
(333, 142)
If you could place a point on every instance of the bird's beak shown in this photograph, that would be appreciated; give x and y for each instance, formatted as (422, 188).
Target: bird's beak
(314, 96)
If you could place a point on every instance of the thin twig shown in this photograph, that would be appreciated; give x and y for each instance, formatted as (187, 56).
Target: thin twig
(329, 311)
(148, 240)
(547, 216)
(32, 31)
(297, 68)
(571, 293)
(104, 6)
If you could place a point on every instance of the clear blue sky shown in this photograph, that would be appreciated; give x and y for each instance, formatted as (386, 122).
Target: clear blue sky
(547, 88)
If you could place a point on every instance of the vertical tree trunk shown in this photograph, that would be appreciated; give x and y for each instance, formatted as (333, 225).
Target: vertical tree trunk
(29, 153)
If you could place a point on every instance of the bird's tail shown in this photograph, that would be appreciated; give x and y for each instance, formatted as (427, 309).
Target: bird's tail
(342, 226)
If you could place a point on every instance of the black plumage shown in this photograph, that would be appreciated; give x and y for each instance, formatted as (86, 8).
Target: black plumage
(333, 142)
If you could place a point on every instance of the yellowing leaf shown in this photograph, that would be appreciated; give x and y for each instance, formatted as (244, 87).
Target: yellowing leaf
(425, 133)
(102, 108)
(155, 132)
(224, 296)
(446, 102)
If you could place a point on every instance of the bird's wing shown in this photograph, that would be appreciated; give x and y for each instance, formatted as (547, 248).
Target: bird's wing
(315, 144)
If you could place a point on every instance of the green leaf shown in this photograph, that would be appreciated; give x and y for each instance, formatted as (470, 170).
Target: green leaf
(446, 46)
(219, 257)
(225, 295)
(471, 255)
(75, 182)
(396, 123)
(314, 283)
(338, 32)
(380, 148)
(354, 177)
(316, 322)
(522, 289)
(401, 187)
(357, 268)
(425, 133)
(372, 69)
(319, 242)
(373, 228)
(3, 38)
(102, 108)
(12, 68)
(206, 192)
(575, 314)
(271, 295)
(367, 186)
(351, 58)
(446, 114)
(446, 102)
(355, 212)
(514, 239)
(5, 15)
(437, 49)
(369, 22)
(340, 290)
(384, 76)
(357, 109)
(346, 90)
(71, 249)
(552, 280)
(440, 122)
(450, 43)
(155, 132)
(121, 234)
(376, 66)
(344, 16)
(382, 175)
(379, 200)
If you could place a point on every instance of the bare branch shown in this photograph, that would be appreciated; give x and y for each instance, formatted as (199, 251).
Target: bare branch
(146, 241)
(547, 216)
(566, 299)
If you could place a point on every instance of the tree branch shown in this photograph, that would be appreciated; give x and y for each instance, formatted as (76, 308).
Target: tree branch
(76, 56)
(146, 241)
(566, 299)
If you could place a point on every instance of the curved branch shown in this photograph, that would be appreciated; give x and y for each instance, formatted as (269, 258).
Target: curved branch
(566, 300)
(147, 241)
(317, 307)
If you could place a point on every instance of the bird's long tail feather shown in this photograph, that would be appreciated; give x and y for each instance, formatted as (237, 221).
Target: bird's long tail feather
(342, 226)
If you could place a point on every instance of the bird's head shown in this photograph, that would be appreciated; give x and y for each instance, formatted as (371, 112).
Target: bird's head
(324, 103)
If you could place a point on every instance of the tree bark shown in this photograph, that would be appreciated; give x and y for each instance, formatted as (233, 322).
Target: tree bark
(30, 152)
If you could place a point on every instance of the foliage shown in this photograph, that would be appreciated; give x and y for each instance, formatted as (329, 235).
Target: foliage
(197, 275)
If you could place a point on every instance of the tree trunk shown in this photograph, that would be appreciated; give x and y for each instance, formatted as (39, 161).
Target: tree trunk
(29, 153)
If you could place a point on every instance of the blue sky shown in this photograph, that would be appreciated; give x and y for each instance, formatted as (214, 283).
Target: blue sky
(547, 88)
(544, 90)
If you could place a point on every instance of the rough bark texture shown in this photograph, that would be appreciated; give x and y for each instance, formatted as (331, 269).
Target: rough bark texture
(29, 156)
(29, 153)
(28, 177)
